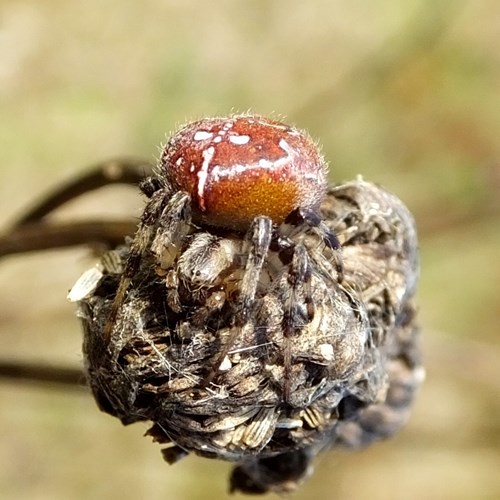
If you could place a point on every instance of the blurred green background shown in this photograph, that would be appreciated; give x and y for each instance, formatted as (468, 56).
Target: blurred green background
(405, 93)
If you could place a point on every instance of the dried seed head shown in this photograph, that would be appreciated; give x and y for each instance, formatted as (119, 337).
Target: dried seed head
(240, 167)
(254, 347)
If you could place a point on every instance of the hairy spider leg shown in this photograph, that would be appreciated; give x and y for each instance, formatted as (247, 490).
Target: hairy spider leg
(256, 247)
(299, 278)
(173, 224)
(166, 218)
(304, 218)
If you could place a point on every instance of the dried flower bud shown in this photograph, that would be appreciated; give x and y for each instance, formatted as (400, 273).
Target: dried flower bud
(263, 359)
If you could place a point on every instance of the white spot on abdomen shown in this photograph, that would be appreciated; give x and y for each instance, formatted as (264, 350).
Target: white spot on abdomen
(202, 135)
(208, 154)
(239, 139)
(286, 147)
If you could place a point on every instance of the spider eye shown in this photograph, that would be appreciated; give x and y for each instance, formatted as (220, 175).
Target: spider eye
(239, 167)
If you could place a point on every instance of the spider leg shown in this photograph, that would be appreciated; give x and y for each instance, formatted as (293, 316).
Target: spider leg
(172, 225)
(257, 242)
(303, 218)
(168, 219)
(300, 292)
(257, 246)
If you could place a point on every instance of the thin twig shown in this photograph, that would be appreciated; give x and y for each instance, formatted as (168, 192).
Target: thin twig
(20, 371)
(117, 171)
(35, 237)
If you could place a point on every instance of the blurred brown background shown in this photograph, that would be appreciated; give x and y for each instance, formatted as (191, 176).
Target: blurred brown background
(405, 93)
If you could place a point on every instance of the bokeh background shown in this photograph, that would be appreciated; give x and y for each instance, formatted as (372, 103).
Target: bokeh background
(405, 93)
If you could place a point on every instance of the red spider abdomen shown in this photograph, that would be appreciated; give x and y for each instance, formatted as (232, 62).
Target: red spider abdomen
(239, 167)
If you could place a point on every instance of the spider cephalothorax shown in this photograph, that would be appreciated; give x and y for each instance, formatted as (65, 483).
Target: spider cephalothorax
(257, 315)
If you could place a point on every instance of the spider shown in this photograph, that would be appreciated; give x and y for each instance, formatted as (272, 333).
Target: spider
(257, 315)
(246, 174)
